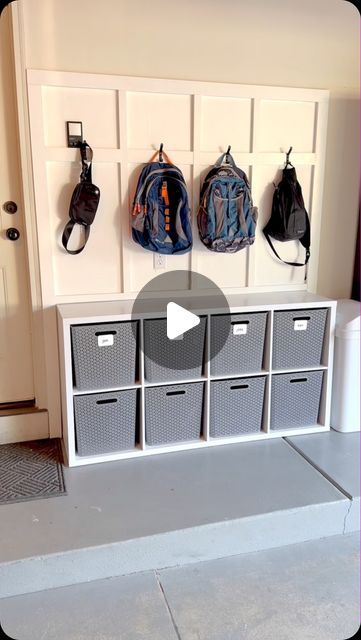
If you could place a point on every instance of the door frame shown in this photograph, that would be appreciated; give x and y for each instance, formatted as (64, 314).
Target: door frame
(32, 252)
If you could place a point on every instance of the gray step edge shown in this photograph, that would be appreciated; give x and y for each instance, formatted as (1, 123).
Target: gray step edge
(174, 548)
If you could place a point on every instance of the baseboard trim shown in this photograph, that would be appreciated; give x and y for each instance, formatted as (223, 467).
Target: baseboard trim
(22, 425)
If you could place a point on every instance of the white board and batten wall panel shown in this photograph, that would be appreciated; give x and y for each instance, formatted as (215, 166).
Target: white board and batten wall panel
(125, 120)
(152, 117)
(96, 108)
(282, 122)
(225, 119)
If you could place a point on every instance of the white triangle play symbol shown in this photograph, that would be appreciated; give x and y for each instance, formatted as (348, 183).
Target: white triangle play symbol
(179, 320)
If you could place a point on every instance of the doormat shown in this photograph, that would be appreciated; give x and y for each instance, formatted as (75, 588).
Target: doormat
(30, 471)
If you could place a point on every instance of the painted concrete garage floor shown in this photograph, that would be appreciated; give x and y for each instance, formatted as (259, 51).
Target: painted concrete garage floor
(307, 591)
(178, 509)
(130, 499)
(336, 455)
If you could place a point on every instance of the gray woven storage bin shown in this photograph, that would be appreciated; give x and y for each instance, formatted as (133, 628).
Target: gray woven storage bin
(105, 422)
(166, 359)
(295, 349)
(241, 353)
(295, 399)
(99, 367)
(173, 413)
(236, 406)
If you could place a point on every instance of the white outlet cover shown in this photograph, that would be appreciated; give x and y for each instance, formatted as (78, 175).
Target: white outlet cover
(160, 261)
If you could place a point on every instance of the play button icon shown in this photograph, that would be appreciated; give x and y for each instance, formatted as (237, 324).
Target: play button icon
(179, 320)
(173, 319)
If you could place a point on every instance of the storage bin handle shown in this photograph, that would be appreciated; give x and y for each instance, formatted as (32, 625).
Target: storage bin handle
(240, 386)
(175, 393)
(302, 318)
(107, 401)
(240, 322)
(299, 380)
(105, 333)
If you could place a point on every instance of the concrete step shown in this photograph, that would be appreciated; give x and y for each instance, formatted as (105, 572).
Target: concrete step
(137, 515)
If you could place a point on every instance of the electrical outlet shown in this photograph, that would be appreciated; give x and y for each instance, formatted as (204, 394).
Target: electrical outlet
(160, 261)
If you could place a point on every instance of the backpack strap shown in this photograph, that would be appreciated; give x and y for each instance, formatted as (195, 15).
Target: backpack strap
(156, 154)
(67, 233)
(305, 241)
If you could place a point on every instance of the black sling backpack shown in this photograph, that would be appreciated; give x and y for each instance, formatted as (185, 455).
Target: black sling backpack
(84, 201)
(289, 219)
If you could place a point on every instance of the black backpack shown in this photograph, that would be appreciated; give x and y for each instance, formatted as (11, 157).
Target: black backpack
(289, 219)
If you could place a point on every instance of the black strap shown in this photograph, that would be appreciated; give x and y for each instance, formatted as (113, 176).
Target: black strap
(86, 153)
(292, 264)
(67, 233)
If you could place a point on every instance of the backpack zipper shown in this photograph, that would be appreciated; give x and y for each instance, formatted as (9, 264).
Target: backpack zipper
(154, 179)
(147, 179)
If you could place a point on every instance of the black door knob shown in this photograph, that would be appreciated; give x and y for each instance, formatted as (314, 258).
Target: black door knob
(12, 233)
(10, 206)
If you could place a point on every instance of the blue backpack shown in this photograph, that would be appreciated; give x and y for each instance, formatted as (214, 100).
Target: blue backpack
(226, 217)
(161, 213)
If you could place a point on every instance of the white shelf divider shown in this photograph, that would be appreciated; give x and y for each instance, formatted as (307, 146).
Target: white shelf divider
(299, 370)
(236, 376)
(141, 400)
(164, 383)
(86, 392)
(207, 386)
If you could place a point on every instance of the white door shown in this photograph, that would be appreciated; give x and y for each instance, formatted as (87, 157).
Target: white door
(16, 370)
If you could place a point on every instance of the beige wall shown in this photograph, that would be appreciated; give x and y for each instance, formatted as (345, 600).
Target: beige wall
(313, 43)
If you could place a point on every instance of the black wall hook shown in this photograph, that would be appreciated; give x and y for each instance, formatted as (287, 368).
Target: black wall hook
(228, 152)
(288, 157)
(161, 152)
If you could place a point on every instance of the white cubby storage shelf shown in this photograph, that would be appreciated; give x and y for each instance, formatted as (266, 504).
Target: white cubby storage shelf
(70, 315)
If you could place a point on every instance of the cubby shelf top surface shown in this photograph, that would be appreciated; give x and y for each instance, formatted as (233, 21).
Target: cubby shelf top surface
(202, 304)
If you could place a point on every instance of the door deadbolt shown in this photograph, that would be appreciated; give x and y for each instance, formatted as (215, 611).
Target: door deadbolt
(12, 233)
(10, 206)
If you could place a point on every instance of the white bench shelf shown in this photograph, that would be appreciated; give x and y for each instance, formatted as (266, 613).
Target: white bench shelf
(73, 314)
